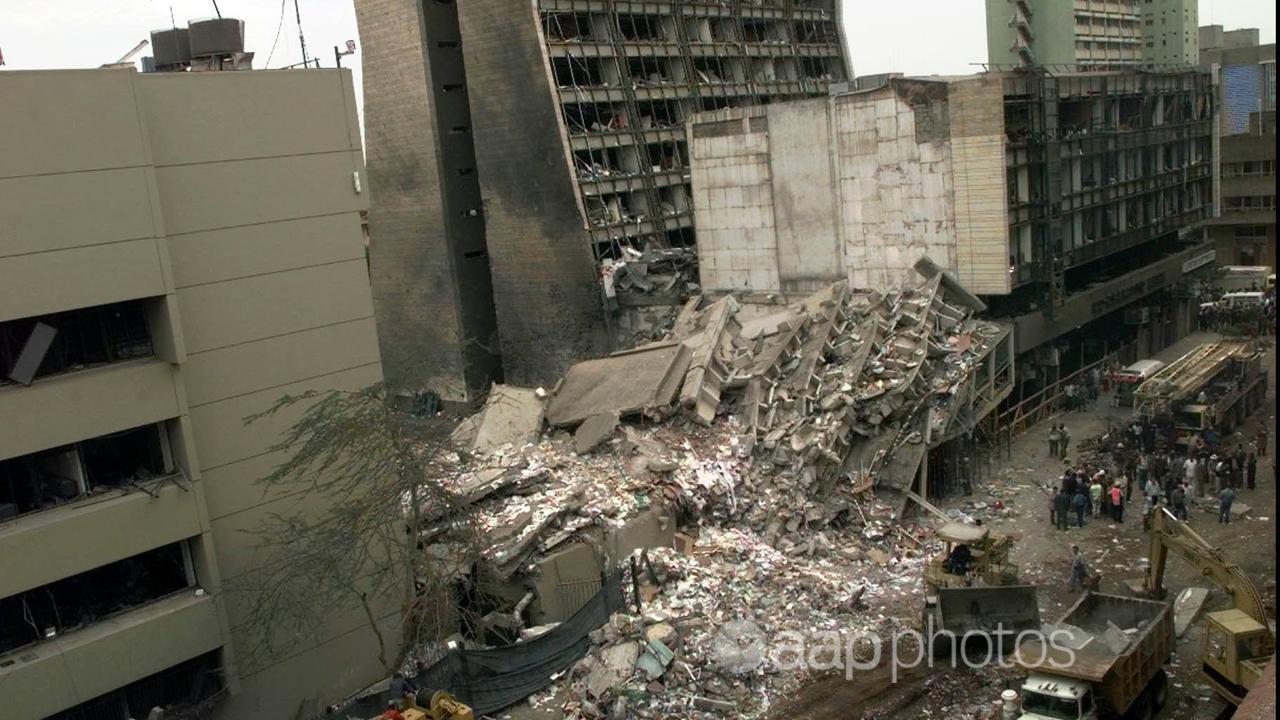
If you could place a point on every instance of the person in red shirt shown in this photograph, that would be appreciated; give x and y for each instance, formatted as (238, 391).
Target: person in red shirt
(1117, 503)
(392, 712)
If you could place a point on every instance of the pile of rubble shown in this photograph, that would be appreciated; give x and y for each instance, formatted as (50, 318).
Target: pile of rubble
(723, 618)
(781, 437)
(772, 420)
(661, 276)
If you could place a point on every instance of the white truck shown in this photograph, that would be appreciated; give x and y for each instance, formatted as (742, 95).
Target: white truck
(1105, 659)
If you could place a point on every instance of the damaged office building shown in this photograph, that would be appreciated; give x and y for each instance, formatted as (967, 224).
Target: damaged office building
(757, 451)
(519, 153)
(1069, 202)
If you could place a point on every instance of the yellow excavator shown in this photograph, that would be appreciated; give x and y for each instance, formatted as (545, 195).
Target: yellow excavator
(1238, 641)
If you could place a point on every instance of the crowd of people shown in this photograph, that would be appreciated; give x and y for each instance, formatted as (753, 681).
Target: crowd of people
(1137, 465)
(1258, 319)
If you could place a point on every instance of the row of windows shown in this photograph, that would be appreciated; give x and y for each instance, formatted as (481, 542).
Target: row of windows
(1246, 203)
(1249, 232)
(1249, 167)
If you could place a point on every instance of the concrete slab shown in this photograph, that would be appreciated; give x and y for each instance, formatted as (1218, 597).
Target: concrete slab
(593, 431)
(616, 665)
(1186, 607)
(625, 383)
(511, 415)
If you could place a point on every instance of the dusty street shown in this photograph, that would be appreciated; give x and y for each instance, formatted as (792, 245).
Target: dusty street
(1117, 552)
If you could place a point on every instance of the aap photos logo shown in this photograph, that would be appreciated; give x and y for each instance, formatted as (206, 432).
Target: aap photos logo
(741, 647)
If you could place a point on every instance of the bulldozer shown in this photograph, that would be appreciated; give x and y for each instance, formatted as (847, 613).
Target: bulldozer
(1238, 641)
(976, 556)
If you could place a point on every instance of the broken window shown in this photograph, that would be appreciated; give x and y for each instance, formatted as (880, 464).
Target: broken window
(65, 474)
(78, 601)
(569, 27)
(666, 155)
(36, 347)
(756, 30)
(641, 27)
(673, 199)
(585, 117)
(816, 68)
(184, 691)
(658, 114)
(682, 237)
(718, 103)
(650, 71)
(582, 72)
(599, 163)
(812, 32)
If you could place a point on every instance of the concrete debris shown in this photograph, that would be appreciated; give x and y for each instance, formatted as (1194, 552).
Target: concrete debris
(659, 276)
(645, 379)
(593, 431)
(616, 664)
(783, 438)
(655, 659)
(1186, 607)
(723, 610)
(511, 416)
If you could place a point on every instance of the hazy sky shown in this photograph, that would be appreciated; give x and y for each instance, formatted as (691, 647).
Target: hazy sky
(918, 37)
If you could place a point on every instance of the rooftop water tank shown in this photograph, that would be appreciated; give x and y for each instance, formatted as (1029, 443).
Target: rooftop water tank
(171, 47)
(216, 37)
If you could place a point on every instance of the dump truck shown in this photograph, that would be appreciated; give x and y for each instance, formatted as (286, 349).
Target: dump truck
(1104, 659)
(1217, 385)
(963, 622)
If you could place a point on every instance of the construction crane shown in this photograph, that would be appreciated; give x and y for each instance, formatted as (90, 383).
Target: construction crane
(126, 60)
(1238, 641)
(1215, 385)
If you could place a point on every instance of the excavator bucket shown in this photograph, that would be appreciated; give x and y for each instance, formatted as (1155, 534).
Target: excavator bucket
(968, 619)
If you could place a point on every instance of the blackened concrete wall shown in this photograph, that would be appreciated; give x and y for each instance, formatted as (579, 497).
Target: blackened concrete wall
(427, 258)
(550, 312)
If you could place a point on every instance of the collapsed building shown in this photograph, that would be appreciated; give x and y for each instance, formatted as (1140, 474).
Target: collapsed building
(760, 458)
(1070, 202)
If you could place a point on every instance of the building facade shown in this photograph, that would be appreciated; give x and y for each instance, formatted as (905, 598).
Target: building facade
(1244, 232)
(576, 112)
(177, 251)
(1091, 34)
(1053, 33)
(1063, 200)
(1170, 32)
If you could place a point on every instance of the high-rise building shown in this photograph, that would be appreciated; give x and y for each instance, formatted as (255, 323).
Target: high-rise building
(1245, 75)
(1170, 32)
(177, 251)
(540, 139)
(1069, 202)
(1067, 34)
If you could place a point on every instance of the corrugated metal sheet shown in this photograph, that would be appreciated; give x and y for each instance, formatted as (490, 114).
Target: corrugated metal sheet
(1242, 91)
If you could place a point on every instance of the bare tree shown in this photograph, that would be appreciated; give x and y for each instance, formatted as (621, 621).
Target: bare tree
(368, 478)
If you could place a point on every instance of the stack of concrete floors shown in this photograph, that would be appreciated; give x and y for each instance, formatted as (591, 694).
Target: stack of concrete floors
(765, 435)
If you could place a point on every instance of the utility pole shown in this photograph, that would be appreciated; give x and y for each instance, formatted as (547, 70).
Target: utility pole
(301, 39)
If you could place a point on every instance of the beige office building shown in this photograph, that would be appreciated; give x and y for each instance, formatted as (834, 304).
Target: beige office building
(177, 251)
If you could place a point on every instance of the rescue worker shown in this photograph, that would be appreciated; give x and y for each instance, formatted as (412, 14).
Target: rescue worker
(1079, 571)
(1225, 498)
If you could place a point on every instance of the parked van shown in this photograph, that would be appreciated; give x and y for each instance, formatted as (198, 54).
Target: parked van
(1128, 379)
(1242, 300)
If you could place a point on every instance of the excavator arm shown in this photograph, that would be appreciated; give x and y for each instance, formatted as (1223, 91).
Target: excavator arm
(1169, 533)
